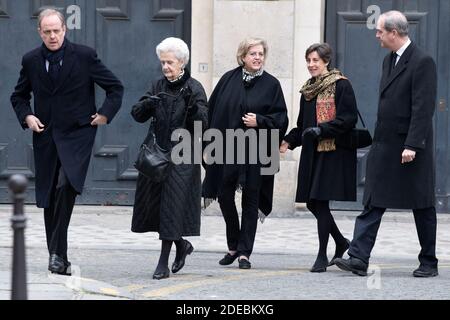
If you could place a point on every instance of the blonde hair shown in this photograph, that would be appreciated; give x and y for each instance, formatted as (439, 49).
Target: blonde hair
(50, 12)
(245, 46)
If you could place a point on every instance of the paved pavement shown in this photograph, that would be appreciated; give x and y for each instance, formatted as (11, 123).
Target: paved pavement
(96, 229)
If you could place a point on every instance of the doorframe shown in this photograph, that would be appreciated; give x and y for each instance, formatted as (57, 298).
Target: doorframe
(441, 119)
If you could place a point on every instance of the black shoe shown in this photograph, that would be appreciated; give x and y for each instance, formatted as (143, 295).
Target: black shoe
(158, 275)
(58, 265)
(228, 259)
(320, 265)
(425, 271)
(179, 264)
(340, 250)
(355, 265)
(244, 264)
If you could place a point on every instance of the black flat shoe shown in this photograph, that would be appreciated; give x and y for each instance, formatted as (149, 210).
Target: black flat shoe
(228, 259)
(179, 264)
(339, 253)
(244, 264)
(320, 265)
(425, 271)
(158, 275)
(58, 265)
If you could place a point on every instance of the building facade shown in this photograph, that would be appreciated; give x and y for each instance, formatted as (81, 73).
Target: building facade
(125, 33)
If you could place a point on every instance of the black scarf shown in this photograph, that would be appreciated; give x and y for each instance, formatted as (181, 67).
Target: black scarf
(179, 82)
(54, 58)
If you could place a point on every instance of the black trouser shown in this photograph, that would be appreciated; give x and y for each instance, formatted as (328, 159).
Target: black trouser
(57, 215)
(366, 229)
(240, 239)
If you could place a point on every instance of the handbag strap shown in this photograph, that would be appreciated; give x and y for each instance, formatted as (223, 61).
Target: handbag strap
(360, 118)
(151, 132)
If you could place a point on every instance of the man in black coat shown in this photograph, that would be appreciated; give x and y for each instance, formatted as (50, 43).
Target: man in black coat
(61, 75)
(400, 165)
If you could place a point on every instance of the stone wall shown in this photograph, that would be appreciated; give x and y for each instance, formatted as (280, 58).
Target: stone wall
(289, 26)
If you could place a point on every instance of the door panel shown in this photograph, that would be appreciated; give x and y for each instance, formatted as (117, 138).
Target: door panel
(125, 34)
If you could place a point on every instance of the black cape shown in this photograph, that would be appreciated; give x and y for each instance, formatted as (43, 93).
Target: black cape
(229, 102)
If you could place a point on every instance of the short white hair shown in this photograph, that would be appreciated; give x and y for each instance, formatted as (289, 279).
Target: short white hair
(175, 45)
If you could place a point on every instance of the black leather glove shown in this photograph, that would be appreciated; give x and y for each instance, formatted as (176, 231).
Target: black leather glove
(313, 132)
(192, 110)
(151, 102)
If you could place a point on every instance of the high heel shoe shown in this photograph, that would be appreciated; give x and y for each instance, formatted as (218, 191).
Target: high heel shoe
(58, 265)
(340, 250)
(179, 264)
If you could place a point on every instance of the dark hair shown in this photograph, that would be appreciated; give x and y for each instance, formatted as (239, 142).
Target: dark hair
(323, 50)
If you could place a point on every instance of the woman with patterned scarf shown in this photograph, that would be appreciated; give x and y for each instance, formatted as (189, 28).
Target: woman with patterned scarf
(327, 169)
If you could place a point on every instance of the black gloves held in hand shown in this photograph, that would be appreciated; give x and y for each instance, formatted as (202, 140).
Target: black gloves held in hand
(151, 102)
(313, 132)
(192, 110)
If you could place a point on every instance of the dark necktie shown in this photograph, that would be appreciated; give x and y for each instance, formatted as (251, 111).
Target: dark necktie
(394, 60)
(53, 70)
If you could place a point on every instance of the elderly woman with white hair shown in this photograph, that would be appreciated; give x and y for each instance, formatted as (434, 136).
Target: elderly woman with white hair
(171, 207)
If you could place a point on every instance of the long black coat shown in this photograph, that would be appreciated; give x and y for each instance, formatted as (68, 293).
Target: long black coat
(405, 111)
(172, 207)
(65, 110)
(326, 175)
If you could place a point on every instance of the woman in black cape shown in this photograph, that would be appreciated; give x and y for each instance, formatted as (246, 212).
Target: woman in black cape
(246, 98)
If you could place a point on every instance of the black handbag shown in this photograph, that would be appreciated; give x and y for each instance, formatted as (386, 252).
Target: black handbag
(360, 137)
(357, 138)
(153, 161)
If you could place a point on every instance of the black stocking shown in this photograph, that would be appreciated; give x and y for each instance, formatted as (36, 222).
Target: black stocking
(325, 225)
(163, 263)
(179, 244)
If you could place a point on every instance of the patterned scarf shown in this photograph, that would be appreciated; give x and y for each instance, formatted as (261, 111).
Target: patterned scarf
(248, 76)
(324, 87)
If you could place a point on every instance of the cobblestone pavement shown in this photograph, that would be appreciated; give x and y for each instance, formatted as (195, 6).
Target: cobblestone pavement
(118, 264)
(109, 227)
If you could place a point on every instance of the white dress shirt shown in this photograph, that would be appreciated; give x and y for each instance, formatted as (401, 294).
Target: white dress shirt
(400, 51)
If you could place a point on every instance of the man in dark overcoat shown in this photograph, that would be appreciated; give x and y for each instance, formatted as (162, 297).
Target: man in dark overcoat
(400, 170)
(61, 75)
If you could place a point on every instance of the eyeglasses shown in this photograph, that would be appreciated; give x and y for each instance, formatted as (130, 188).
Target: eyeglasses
(56, 32)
